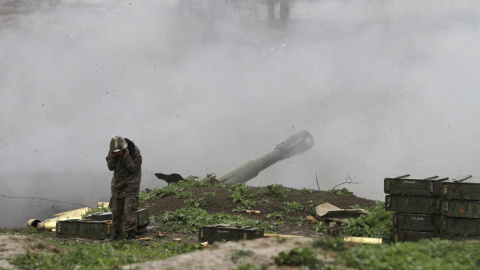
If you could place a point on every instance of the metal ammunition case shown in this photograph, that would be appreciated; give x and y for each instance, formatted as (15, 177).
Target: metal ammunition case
(212, 233)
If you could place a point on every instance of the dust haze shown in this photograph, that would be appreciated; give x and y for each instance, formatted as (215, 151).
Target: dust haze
(385, 87)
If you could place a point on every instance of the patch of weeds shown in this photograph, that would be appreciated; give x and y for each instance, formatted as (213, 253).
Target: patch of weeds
(82, 255)
(184, 194)
(333, 244)
(340, 192)
(195, 202)
(314, 203)
(241, 253)
(240, 209)
(153, 219)
(308, 191)
(275, 215)
(300, 221)
(239, 193)
(378, 224)
(171, 189)
(277, 190)
(249, 203)
(208, 194)
(250, 267)
(299, 256)
(291, 206)
(191, 219)
(320, 227)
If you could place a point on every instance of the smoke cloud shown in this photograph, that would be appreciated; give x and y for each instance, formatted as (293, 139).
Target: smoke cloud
(385, 87)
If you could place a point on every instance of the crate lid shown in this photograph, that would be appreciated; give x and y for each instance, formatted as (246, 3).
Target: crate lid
(465, 179)
(414, 178)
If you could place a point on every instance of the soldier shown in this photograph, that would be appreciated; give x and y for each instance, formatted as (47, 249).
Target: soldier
(125, 160)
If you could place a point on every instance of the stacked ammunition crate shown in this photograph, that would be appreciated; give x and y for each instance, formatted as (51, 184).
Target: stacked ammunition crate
(461, 208)
(417, 205)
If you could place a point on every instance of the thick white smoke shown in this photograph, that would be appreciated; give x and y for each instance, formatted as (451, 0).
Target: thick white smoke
(385, 87)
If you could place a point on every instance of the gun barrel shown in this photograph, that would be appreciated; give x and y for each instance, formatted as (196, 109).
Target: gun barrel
(290, 147)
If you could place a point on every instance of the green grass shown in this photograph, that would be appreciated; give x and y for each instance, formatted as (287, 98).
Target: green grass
(291, 206)
(426, 254)
(179, 189)
(191, 219)
(378, 224)
(341, 192)
(83, 255)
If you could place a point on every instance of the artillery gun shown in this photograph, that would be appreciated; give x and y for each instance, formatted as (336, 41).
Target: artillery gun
(295, 145)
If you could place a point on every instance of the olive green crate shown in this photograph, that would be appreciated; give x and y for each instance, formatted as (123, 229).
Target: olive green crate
(461, 208)
(413, 204)
(416, 222)
(213, 233)
(414, 186)
(413, 236)
(83, 228)
(460, 226)
(462, 188)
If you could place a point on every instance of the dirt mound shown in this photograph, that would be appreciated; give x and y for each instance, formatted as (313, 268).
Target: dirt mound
(267, 203)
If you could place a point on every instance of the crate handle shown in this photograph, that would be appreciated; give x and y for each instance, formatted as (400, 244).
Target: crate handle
(462, 179)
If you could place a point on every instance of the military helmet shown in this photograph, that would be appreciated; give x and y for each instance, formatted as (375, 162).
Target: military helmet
(117, 144)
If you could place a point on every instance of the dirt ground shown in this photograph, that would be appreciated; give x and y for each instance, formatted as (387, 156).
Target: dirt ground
(267, 204)
(17, 244)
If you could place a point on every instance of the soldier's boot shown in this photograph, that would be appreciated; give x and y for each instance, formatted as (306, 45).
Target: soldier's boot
(131, 235)
(118, 237)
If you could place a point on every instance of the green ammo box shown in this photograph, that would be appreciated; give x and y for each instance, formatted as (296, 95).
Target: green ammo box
(69, 228)
(459, 237)
(464, 209)
(416, 222)
(414, 186)
(212, 233)
(92, 229)
(81, 228)
(412, 236)
(413, 204)
(460, 226)
(462, 188)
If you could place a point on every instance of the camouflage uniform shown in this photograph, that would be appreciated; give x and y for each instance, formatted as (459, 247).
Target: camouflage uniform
(125, 188)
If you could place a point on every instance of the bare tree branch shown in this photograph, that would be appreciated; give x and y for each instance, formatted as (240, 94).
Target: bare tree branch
(348, 181)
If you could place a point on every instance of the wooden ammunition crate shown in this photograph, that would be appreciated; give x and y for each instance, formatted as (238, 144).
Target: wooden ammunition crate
(414, 186)
(212, 233)
(462, 188)
(460, 226)
(412, 236)
(69, 228)
(416, 222)
(460, 208)
(413, 204)
(88, 229)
